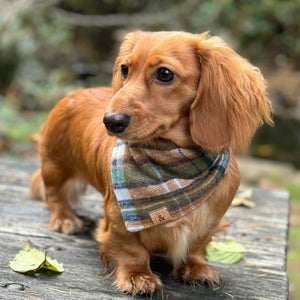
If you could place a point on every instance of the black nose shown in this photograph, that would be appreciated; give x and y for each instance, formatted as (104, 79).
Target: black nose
(116, 122)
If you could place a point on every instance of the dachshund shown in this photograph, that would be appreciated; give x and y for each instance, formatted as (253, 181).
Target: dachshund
(177, 93)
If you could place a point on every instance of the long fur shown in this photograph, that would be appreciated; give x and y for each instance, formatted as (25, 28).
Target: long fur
(216, 100)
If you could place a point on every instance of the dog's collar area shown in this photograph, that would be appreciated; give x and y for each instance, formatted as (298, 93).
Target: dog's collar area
(159, 183)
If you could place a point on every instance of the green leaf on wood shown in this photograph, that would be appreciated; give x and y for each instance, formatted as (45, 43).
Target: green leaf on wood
(32, 259)
(229, 252)
(28, 259)
(53, 265)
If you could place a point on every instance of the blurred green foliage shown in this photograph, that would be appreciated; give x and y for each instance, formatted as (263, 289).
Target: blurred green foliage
(32, 50)
(293, 261)
(18, 128)
(49, 48)
(294, 189)
(262, 29)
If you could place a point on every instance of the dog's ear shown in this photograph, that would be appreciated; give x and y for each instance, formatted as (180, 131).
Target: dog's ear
(125, 49)
(231, 100)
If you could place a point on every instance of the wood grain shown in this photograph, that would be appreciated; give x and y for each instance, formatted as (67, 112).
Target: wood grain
(260, 275)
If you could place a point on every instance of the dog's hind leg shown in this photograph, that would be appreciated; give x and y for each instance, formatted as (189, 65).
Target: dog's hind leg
(59, 192)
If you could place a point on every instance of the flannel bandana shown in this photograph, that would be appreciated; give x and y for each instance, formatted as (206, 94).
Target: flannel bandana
(157, 184)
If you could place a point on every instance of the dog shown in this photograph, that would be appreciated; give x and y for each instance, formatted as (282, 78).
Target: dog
(178, 105)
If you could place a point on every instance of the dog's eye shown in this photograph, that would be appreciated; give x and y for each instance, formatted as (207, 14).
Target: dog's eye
(165, 75)
(124, 71)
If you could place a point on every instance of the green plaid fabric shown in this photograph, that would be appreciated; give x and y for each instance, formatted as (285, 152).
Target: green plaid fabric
(157, 184)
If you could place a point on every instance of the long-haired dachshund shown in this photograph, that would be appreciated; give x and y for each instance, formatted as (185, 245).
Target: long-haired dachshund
(157, 145)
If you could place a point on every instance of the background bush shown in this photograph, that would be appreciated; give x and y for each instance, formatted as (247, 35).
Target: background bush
(49, 48)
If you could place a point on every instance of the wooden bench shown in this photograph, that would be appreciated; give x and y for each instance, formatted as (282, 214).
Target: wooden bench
(261, 274)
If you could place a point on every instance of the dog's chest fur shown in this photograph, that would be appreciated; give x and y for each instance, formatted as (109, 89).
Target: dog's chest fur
(176, 237)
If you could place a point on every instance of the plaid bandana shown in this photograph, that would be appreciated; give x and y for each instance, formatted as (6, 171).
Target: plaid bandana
(157, 184)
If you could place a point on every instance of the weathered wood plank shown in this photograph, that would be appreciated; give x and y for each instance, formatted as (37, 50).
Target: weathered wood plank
(260, 275)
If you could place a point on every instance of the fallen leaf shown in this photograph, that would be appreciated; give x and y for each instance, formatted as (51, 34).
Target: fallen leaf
(53, 265)
(243, 197)
(229, 252)
(28, 259)
(237, 201)
(32, 259)
(244, 193)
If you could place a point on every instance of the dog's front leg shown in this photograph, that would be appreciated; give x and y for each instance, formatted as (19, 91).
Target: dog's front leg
(133, 273)
(195, 267)
(131, 259)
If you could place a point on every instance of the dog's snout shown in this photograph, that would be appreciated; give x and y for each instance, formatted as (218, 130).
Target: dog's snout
(116, 122)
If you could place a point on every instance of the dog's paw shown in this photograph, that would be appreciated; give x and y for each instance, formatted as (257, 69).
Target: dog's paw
(139, 283)
(70, 224)
(199, 272)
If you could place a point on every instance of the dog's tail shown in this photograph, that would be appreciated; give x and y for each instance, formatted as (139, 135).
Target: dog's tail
(37, 190)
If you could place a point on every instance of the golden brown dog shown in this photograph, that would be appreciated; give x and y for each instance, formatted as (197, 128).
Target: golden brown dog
(173, 87)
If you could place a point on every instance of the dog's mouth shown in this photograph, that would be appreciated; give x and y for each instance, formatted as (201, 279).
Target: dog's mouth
(143, 134)
(149, 131)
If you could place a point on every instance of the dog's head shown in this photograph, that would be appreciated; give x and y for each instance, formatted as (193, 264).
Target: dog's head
(190, 89)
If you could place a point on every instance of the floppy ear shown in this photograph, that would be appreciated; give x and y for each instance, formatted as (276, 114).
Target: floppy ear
(231, 100)
(125, 49)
